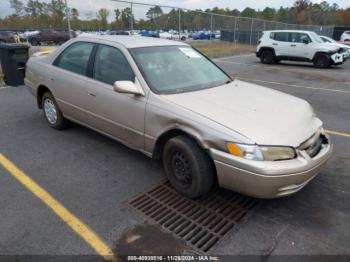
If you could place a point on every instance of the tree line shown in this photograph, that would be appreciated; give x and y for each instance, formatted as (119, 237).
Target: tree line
(43, 15)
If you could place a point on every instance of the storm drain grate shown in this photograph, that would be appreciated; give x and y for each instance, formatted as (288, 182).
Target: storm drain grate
(201, 222)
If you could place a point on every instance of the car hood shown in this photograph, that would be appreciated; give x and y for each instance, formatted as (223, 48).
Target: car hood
(336, 45)
(263, 115)
(328, 47)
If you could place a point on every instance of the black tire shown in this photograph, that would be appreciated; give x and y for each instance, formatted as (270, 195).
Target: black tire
(322, 61)
(267, 57)
(59, 122)
(188, 167)
(60, 41)
(34, 42)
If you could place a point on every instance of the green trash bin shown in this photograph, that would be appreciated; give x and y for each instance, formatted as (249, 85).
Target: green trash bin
(13, 59)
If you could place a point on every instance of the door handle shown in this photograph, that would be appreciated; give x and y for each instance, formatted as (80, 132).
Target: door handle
(91, 94)
(293, 45)
(274, 44)
(51, 79)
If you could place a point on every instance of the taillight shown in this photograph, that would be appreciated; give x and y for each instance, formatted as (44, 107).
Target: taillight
(259, 41)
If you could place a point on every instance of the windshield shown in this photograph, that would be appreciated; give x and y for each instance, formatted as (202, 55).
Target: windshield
(177, 69)
(316, 37)
(327, 39)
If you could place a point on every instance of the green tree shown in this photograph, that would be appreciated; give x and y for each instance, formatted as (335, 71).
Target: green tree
(198, 22)
(102, 16)
(283, 14)
(18, 6)
(268, 13)
(248, 12)
(126, 17)
(154, 13)
(117, 14)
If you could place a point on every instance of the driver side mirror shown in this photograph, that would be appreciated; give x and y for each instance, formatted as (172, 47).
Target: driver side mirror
(306, 41)
(126, 87)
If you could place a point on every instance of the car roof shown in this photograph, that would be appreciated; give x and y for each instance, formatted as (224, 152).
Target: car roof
(134, 41)
(289, 31)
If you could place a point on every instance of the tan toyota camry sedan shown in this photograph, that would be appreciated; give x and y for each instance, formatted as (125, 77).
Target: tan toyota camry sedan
(170, 102)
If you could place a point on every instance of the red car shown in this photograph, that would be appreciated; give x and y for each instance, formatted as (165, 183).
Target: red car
(344, 42)
(49, 36)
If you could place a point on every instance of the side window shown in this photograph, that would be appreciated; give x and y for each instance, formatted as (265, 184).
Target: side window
(111, 65)
(272, 35)
(298, 37)
(281, 36)
(75, 58)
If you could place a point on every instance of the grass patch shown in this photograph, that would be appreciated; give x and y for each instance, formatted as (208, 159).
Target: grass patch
(220, 49)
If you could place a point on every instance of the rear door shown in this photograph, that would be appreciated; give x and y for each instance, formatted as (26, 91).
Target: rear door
(67, 80)
(280, 43)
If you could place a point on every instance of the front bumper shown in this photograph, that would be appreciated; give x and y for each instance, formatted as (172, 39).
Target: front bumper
(268, 179)
(337, 59)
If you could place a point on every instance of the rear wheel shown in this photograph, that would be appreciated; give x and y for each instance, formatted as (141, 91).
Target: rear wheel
(267, 57)
(52, 113)
(322, 61)
(188, 168)
(60, 41)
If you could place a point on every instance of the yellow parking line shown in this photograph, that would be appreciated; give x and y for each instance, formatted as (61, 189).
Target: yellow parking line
(71, 220)
(338, 133)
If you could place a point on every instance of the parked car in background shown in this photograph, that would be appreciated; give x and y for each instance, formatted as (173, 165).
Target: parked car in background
(203, 35)
(331, 41)
(48, 36)
(165, 35)
(120, 32)
(150, 34)
(24, 36)
(173, 36)
(345, 36)
(7, 37)
(179, 36)
(170, 102)
(347, 43)
(297, 45)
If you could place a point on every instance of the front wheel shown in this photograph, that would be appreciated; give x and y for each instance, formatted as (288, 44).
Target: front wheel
(188, 168)
(322, 61)
(34, 42)
(52, 113)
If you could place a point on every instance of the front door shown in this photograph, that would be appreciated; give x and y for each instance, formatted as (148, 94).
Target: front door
(116, 114)
(301, 45)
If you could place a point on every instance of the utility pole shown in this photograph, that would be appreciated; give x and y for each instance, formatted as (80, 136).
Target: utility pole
(131, 19)
(179, 24)
(68, 20)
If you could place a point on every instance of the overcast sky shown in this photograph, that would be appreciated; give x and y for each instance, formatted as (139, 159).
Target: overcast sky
(91, 6)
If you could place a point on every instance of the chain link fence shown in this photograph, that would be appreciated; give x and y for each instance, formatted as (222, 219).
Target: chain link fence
(214, 34)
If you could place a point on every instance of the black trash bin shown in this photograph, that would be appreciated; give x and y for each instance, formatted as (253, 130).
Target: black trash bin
(13, 59)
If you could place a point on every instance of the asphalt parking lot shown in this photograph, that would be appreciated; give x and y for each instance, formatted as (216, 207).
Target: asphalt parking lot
(94, 177)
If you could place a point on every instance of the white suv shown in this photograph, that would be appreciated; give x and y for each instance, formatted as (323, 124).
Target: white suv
(295, 45)
(345, 36)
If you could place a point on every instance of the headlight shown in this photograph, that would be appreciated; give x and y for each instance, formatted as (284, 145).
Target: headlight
(260, 153)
